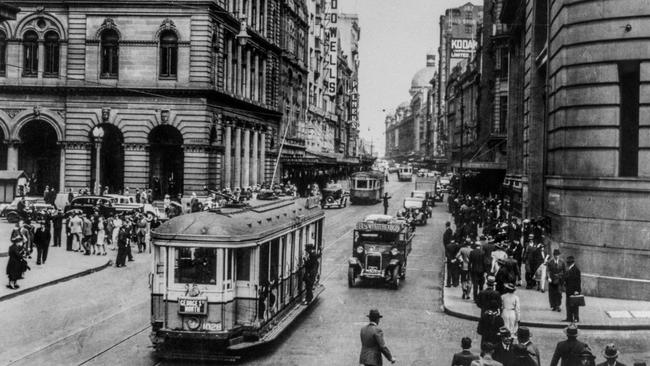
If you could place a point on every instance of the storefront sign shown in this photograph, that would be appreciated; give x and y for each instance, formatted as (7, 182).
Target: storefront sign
(354, 101)
(462, 48)
(331, 46)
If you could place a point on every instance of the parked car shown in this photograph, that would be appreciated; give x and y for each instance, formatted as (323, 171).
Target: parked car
(128, 204)
(416, 209)
(87, 204)
(32, 205)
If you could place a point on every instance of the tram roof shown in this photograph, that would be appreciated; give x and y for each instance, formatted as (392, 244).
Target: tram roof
(371, 174)
(258, 222)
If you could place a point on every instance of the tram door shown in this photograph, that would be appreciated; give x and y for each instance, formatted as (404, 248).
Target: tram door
(263, 281)
(244, 287)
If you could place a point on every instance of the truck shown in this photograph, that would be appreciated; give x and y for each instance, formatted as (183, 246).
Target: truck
(429, 185)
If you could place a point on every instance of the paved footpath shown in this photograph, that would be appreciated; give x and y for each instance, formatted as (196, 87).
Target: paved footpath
(600, 313)
(60, 266)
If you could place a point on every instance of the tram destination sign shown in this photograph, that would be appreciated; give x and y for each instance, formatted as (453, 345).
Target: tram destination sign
(371, 226)
(193, 305)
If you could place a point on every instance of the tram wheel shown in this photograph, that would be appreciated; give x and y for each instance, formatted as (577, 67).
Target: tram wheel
(351, 277)
(396, 278)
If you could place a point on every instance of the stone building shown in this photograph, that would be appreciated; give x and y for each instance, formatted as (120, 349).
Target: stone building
(421, 107)
(585, 141)
(457, 42)
(183, 100)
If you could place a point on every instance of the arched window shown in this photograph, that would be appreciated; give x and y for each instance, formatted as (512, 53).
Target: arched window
(30, 54)
(3, 53)
(168, 54)
(110, 54)
(51, 55)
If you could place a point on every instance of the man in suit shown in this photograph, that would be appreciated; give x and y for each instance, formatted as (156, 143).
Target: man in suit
(568, 351)
(465, 357)
(529, 260)
(523, 338)
(448, 235)
(42, 241)
(372, 342)
(611, 354)
(477, 269)
(555, 273)
(503, 350)
(489, 299)
(572, 286)
(453, 272)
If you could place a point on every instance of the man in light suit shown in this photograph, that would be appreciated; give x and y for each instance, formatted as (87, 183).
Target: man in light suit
(372, 342)
(555, 269)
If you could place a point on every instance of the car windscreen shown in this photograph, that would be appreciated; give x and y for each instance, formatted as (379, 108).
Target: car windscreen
(377, 237)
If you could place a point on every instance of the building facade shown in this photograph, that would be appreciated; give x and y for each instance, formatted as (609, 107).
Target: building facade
(183, 102)
(458, 28)
(585, 140)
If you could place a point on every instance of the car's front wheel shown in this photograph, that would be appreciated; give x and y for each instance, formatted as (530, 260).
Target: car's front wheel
(396, 278)
(352, 278)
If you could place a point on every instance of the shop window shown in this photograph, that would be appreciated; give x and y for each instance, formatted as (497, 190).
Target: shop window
(30, 54)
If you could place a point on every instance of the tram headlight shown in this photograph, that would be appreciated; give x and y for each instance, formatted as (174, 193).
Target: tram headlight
(394, 251)
(360, 249)
(193, 323)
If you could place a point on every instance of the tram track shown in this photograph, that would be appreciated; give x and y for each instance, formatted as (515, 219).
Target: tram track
(115, 345)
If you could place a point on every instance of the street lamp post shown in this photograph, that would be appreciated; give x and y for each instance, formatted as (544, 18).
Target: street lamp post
(98, 134)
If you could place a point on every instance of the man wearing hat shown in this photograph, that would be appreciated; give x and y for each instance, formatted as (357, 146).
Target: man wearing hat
(572, 286)
(555, 269)
(372, 342)
(503, 350)
(611, 354)
(42, 241)
(529, 261)
(523, 338)
(477, 269)
(569, 351)
(489, 299)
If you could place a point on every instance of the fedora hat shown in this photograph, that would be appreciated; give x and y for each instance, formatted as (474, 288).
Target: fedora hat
(374, 314)
(570, 259)
(490, 280)
(611, 351)
(509, 286)
(556, 252)
(571, 330)
(523, 332)
(504, 332)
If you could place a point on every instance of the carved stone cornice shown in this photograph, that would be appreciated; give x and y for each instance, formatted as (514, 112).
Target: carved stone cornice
(136, 147)
(76, 145)
(12, 112)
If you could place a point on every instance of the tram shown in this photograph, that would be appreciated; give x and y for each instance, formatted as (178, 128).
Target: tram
(366, 187)
(405, 174)
(227, 280)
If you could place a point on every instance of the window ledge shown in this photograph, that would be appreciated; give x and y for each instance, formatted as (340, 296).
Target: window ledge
(108, 77)
(168, 78)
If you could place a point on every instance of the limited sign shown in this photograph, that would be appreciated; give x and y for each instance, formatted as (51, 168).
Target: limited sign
(192, 305)
(371, 226)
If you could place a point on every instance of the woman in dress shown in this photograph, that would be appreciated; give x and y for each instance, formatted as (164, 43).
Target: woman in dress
(101, 237)
(510, 311)
(15, 265)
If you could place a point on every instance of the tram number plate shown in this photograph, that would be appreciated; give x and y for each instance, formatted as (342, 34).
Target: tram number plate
(214, 327)
(192, 306)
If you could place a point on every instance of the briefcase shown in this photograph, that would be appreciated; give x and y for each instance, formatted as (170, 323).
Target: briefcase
(577, 300)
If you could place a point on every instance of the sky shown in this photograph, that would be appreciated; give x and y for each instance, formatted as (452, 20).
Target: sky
(396, 36)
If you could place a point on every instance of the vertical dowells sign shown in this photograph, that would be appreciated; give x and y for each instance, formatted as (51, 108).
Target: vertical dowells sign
(332, 45)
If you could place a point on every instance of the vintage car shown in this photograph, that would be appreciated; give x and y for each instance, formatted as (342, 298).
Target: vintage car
(380, 249)
(428, 200)
(32, 205)
(88, 204)
(416, 209)
(334, 196)
(127, 204)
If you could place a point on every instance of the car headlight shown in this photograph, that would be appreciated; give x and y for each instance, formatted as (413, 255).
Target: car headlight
(359, 249)
(193, 323)
(394, 251)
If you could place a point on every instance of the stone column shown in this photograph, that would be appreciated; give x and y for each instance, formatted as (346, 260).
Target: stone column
(255, 95)
(247, 77)
(62, 168)
(228, 67)
(262, 171)
(259, 11)
(238, 77)
(12, 155)
(227, 170)
(237, 180)
(263, 81)
(255, 155)
(246, 161)
(41, 59)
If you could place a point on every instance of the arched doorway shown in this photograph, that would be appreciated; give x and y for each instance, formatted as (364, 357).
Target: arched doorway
(39, 155)
(111, 159)
(166, 161)
(3, 151)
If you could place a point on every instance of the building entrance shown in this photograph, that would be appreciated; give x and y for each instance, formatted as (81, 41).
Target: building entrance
(39, 156)
(166, 161)
(111, 160)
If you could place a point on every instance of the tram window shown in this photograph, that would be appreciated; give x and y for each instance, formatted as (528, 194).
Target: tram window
(264, 264)
(195, 265)
(362, 184)
(275, 259)
(243, 264)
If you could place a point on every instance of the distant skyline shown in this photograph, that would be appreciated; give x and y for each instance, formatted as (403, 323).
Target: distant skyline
(396, 36)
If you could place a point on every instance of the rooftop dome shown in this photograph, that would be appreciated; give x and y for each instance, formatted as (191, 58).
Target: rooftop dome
(422, 78)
